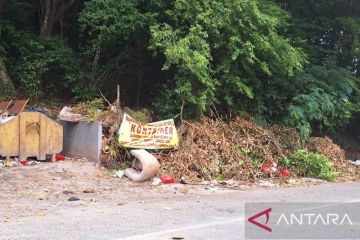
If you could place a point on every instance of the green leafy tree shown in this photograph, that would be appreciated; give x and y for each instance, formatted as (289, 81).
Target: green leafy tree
(294, 62)
(40, 65)
(115, 36)
(221, 51)
(329, 28)
(326, 98)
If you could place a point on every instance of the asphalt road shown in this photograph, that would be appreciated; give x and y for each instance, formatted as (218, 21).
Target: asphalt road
(202, 216)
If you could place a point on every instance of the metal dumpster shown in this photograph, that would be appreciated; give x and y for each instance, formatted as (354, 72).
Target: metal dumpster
(30, 134)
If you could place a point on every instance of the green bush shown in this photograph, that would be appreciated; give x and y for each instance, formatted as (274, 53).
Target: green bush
(323, 98)
(310, 164)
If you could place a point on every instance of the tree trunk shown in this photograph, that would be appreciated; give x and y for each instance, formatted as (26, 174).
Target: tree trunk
(44, 29)
(5, 80)
(139, 78)
(139, 74)
(50, 12)
(97, 54)
(4, 75)
(62, 28)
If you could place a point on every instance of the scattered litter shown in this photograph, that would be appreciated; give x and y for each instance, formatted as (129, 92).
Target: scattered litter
(167, 208)
(268, 168)
(182, 180)
(67, 115)
(60, 170)
(88, 190)
(178, 238)
(285, 172)
(24, 162)
(146, 163)
(167, 179)
(212, 189)
(39, 109)
(33, 163)
(59, 158)
(68, 192)
(156, 181)
(73, 199)
(10, 163)
(40, 214)
(119, 173)
(356, 162)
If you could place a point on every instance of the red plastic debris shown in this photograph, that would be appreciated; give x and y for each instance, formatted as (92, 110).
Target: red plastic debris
(167, 179)
(285, 172)
(268, 168)
(59, 158)
(24, 162)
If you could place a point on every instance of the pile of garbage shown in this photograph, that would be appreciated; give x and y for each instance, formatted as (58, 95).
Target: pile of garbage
(239, 149)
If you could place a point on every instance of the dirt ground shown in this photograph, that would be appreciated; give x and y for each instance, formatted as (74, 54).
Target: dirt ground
(28, 191)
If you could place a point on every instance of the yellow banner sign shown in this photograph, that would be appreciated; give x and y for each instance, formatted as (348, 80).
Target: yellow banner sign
(156, 135)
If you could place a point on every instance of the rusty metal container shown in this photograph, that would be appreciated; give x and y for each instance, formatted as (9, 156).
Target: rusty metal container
(30, 134)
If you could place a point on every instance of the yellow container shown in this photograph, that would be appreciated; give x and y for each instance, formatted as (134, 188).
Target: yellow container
(30, 134)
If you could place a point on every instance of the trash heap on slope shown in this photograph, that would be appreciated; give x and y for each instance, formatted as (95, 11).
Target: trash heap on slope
(215, 149)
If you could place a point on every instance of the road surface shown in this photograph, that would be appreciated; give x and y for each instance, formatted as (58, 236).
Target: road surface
(216, 215)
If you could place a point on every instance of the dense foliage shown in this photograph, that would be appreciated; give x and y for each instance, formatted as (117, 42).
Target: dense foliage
(294, 61)
(311, 165)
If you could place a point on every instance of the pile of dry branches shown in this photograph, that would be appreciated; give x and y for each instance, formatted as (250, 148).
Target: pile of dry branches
(325, 146)
(231, 150)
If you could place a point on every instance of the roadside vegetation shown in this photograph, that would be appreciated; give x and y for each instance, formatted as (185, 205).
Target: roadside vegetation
(293, 63)
(310, 164)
